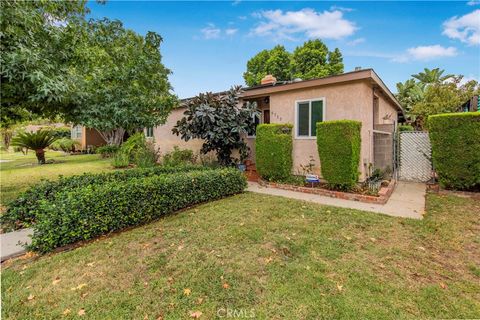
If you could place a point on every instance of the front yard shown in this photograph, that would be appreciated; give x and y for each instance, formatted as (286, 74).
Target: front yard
(264, 256)
(19, 171)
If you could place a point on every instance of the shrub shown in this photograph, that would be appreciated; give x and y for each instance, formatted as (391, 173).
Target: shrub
(133, 144)
(273, 148)
(65, 145)
(120, 160)
(455, 139)
(339, 151)
(405, 127)
(36, 141)
(95, 210)
(61, 132)
(21, 211)
(147, 156)
(178, 157)
(107, 151)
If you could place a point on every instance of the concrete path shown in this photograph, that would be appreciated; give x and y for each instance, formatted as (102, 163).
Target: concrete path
(10, 243)
(407, 200)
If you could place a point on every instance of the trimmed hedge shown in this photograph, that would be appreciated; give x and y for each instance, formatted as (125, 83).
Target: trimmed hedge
(273, 148)
(21, 211)
(455, 139)
(338, 145)
(95, 210)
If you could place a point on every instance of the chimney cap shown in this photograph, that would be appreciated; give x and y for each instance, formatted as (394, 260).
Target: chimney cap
(268, 79)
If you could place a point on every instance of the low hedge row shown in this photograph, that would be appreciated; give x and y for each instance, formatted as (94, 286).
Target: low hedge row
(273, 151)
(94, 210)
(455, 139)
(21, 211)
(339, 144)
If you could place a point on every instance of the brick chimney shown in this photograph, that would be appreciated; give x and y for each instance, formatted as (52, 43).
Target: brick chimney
(268, 79)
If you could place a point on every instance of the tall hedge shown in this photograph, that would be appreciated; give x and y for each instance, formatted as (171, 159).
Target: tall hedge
(455, 139)
(21, 211)
(94, 210)
(273, 149)
(338, 145)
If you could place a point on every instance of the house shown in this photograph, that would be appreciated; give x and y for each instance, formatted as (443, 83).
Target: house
(88, 138)
(359, 95)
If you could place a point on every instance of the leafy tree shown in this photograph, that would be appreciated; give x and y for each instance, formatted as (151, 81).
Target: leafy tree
(445, 97)
(221, 122)
(311, 60)
(432, 76)
(124, 85)
(37, 41)
(275, 61)
(430, 92)
(36, 141)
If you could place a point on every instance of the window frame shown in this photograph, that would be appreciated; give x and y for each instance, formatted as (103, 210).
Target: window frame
(146, 133)
(76, 132)
(324, 109)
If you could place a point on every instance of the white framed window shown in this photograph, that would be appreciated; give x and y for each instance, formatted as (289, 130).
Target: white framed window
(76, 132)
(149, 132)
(307, 114)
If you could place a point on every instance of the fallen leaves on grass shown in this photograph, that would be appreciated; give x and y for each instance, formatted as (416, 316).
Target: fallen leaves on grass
(196, 314)
(81, 312)
(56, 281)
(187, 291)
(31, 297)
(226, 286)
(79, 287)
(66, 312)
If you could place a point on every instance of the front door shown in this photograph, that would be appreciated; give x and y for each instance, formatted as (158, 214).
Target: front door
(266, 116)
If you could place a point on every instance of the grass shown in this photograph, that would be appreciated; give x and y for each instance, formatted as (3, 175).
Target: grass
(21, 170)
(270, 257)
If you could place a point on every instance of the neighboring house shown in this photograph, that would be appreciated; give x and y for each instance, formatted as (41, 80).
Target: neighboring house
(359, 95)
(471, 105)
(88, 138)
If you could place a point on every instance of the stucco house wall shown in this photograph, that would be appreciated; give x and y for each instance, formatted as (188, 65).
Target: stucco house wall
(165, 140)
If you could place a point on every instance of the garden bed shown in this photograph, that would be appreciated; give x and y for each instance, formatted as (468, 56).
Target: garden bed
(382, 197)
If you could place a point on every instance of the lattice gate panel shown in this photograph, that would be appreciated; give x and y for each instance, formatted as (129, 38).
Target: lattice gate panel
(415, 156)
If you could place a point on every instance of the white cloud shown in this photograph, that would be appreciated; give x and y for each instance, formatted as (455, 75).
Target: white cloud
(285, 25)
(236, 2)
(230, 31)
(473, 3)
(425, 53)
(354, 42)
(465, 28)
(332, 8)
(211, 32)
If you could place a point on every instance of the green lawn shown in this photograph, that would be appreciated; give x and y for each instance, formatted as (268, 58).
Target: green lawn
(22, 170)
(270, 257)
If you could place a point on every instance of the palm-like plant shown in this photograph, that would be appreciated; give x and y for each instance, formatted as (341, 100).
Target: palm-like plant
(432, 76)
(36, 141)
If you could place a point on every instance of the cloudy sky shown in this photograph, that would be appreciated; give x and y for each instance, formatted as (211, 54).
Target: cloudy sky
(207, 44)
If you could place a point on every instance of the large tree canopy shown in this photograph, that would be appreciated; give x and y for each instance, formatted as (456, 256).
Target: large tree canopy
(37, 42)
(124, 84)
(221, 122)
(311, 60)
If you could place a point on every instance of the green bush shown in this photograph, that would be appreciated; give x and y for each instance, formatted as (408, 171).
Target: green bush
(147, 156)
(65, 145)
(455, 139)
(273, 149)
(120, 160)
(94, 210)
(107, 151)
(21, 211)
(178, 157)
(405, 127)
(61, 132)
(338, 145)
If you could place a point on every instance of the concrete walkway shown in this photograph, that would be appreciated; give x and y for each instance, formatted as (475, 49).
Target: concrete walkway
(407, 200)
(10, 243)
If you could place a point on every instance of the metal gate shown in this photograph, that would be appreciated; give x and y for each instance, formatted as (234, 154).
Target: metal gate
(415, 162)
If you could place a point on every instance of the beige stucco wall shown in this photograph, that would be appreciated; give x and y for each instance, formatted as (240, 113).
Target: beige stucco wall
(165, 140)
(345, 101)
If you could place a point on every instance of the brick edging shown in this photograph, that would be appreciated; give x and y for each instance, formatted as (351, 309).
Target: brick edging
(382, 198)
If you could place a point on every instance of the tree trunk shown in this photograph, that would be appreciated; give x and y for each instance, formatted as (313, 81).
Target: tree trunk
(40, 153)
(113, 137)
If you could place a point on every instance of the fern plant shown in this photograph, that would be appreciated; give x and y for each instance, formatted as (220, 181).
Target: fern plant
(36, 141)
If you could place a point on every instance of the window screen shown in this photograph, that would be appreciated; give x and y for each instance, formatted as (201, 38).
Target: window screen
(303, 118)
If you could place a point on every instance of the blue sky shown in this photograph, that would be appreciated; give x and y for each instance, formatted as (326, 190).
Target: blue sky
(207, 44)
